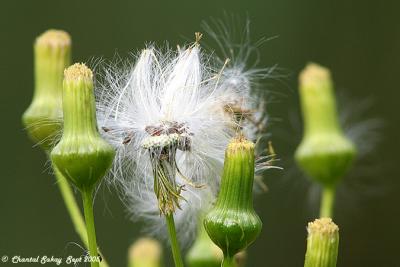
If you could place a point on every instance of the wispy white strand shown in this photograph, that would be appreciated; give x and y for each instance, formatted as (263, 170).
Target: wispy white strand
(241, 79)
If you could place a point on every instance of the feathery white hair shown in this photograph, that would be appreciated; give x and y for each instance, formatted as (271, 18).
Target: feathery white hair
(181, 100)
(240, 81)
(167, 97)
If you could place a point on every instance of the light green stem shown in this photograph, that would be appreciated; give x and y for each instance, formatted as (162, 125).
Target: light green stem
(72, 206)
(176, 253)
(87, 197)
(228, 262)
(327, 202)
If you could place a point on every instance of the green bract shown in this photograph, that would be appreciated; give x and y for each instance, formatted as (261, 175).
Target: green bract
(233, 224)
(325, 153)
(43, 117)
(82, 156)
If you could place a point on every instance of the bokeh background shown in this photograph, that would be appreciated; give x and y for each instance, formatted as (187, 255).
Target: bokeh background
(358, 40)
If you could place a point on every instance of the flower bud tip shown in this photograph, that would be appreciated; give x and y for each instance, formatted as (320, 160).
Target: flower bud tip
(322, 243)
(78, 71)
(313, 75)
(54, 38)
(323, 226)
(240, 143)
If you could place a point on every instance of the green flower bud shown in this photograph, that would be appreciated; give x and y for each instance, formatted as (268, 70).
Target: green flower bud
(82, 156)
(322, 243)
(145, 252)
(233, 224)
(204, 253)
(325, 153)
(43, 117)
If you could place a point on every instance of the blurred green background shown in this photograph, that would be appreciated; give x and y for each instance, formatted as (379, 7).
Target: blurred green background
(358, 40)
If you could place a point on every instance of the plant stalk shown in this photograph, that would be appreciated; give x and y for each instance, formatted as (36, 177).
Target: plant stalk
(176, 253)
(72, 206)
(327, 201)
(87, 197)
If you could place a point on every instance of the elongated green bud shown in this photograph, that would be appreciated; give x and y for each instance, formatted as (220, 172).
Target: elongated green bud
(204, 253)
(322, 243)
(43, 117)
(145, 252)
(325, 153)
(81, 155)
(233, 224)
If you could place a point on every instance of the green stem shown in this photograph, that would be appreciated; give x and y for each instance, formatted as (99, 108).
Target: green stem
(176, 253)
(228, 262)
(72, 206)
(87, 197)
(327, 201)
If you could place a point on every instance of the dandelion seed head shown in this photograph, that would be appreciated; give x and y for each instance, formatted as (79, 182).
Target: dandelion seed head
(170, 116)
(164, 114)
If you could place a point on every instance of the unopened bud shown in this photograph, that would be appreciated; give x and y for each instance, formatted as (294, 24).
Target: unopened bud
(322, 243)
(43, 118)
(325, 153)
(233, 224)
(81, 155)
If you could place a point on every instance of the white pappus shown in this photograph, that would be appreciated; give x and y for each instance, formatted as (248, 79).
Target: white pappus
(169, 130)
(167, 118)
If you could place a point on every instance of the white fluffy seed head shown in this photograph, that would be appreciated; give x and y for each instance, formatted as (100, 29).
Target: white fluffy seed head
(167, 100)
(173, 102)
